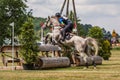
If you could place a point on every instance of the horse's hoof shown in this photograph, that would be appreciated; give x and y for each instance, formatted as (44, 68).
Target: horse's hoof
(73, 65)
(85, 68)
(95, 68)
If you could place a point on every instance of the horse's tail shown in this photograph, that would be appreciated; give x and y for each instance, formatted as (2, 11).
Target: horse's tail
(93, 42)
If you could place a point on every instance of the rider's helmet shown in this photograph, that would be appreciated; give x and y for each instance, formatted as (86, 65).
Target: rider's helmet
(58, 15)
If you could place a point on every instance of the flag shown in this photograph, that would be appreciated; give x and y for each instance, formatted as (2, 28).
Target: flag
(75, 25)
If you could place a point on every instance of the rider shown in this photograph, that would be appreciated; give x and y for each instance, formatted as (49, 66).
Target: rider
(66, 24)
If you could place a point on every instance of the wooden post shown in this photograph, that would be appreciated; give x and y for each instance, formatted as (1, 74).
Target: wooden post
(67, 9)
(75, 16)
(62, 7)
(3, 58)
(74, 9)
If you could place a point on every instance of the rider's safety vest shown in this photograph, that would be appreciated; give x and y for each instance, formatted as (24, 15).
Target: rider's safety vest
(64, 21)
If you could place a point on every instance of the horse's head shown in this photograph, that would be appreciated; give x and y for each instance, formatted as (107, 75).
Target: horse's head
(48, 22)
(51, 21)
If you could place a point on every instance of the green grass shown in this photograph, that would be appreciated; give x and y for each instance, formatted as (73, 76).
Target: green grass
(116, 48)
(109, 70)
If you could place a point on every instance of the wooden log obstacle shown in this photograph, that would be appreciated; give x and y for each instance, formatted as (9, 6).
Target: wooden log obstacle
(50, 48)
(96, 59)
(52, 62)
(48, 62)
(7, 58)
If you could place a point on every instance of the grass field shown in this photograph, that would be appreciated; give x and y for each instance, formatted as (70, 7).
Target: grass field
(109, 70)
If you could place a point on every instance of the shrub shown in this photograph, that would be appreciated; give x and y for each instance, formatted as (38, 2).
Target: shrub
(28, 43)
(104, 50)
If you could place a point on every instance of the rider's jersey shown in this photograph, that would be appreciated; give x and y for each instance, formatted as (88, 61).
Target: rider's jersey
(64, 21)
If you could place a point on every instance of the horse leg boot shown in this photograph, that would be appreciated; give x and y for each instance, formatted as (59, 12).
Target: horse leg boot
(46, 41)
(86, 64)
(94, 64)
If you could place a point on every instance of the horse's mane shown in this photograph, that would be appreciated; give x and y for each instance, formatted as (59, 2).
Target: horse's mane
(52, 16)
(54, 20)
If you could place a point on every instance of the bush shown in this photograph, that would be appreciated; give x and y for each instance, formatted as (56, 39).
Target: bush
(28, 43)
(104, 50)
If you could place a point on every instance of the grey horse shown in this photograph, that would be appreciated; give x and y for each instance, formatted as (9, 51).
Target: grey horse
(78, 42)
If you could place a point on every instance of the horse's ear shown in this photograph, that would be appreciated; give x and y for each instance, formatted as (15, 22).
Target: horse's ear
(48, 17)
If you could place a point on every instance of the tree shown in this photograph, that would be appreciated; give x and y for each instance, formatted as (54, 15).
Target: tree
(28, 39)
(107, 35)
(11, 11)
(37, 22)
(79, 26)
(85, 28)
(96, 32)
(71, 16)
(81, 31)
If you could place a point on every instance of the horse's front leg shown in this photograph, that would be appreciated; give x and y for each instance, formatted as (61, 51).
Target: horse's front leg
(73, 59)
(46, 39)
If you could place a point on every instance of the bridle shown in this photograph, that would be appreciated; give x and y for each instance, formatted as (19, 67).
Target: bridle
(48, 20)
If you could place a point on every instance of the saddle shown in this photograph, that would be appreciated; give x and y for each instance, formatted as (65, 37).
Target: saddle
(69, 36)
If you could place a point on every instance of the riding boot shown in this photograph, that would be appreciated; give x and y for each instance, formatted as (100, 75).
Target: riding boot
(64, 36)
(63, 39)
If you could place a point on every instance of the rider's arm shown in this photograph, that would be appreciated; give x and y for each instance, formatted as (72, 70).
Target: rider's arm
(61, 23)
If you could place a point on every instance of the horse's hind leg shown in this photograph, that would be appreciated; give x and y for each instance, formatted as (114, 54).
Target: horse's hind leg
(85, 59)
(86, 62)
(94, 63)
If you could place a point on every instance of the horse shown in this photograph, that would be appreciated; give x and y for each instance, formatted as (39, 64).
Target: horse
(75, 41)
(54, 36)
